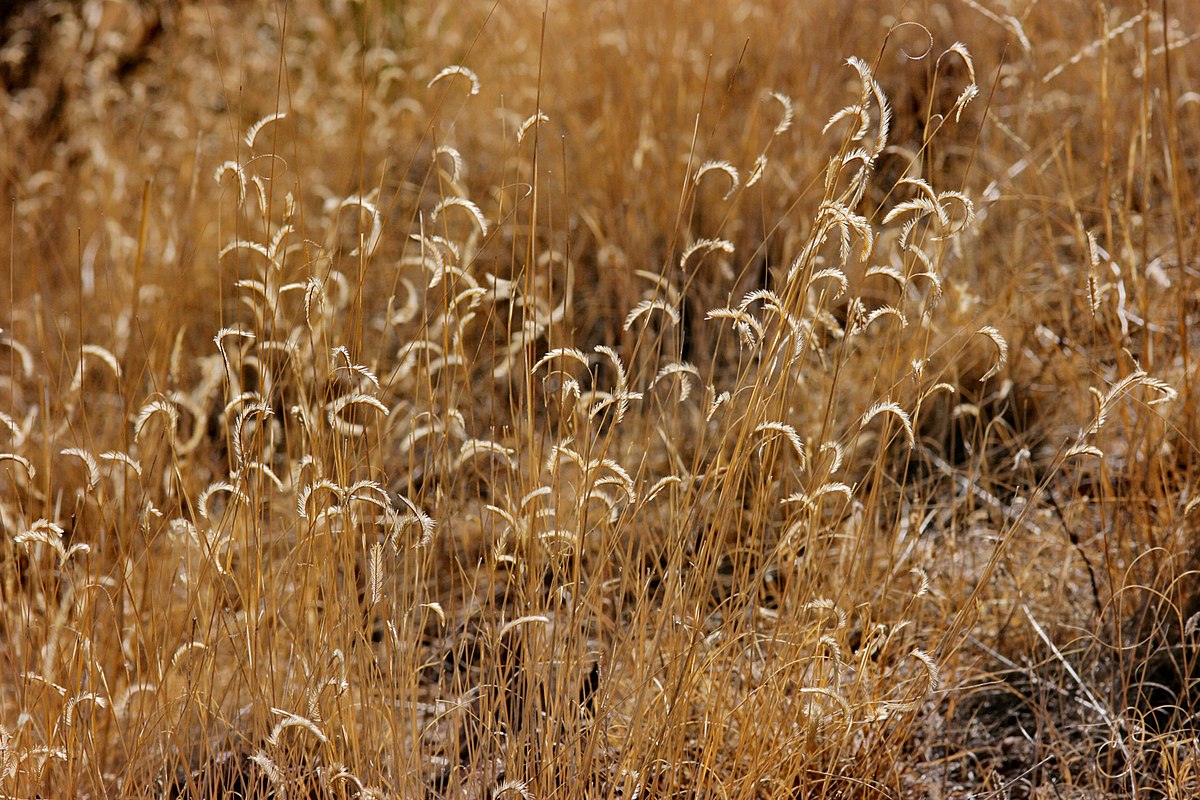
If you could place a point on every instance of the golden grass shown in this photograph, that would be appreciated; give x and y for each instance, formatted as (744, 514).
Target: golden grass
(597, 399)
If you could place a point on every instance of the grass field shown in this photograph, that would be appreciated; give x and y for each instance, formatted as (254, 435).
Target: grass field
(595, 399)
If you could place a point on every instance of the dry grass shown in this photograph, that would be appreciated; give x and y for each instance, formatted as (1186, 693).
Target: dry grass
(613, 400)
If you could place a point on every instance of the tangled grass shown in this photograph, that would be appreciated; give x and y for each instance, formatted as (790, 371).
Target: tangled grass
(598, 400)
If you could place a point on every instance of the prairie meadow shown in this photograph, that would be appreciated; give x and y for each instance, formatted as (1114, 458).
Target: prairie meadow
(599, 399)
